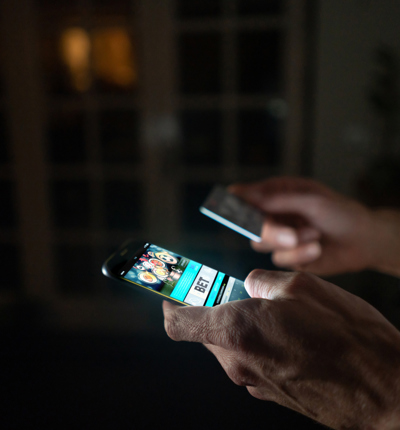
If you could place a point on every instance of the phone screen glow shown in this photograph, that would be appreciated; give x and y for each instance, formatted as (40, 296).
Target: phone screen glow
(181, 279)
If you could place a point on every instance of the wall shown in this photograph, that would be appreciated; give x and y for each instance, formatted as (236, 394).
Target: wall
(345, 133)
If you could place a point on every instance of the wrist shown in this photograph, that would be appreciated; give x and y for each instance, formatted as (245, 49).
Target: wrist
(386, 241)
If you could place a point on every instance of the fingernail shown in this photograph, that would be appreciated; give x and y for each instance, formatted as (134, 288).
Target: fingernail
(287, 239)
(313, 250)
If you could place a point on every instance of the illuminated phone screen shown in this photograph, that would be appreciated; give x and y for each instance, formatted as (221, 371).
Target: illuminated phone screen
(180, 278)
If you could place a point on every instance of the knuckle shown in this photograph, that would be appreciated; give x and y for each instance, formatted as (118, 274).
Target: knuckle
(300, 278)
(263, 394)
(235, 324)
(240, 331)
(299, 281)
(240, 375)
(253, 391)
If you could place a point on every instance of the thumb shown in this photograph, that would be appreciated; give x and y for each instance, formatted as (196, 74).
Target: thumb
(270, 285)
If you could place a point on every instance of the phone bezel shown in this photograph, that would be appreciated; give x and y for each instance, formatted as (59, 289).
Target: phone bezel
(216, 192)
(121, 257)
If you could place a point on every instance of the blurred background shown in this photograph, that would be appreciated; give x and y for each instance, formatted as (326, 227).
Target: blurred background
(116, 118)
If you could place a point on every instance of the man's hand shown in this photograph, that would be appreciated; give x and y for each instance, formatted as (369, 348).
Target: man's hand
(305, 344)
(310, 227)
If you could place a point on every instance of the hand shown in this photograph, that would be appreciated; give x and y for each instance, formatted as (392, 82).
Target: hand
(311, 228)
(305, 344)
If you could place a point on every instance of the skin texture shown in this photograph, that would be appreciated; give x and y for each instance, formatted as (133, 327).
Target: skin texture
(305, 344)
(301, 341)
(311, 228)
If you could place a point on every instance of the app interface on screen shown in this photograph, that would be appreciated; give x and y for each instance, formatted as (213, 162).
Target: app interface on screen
(182, 279)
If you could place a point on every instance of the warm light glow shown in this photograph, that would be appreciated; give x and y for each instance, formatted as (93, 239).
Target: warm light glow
(110, 51)
(75, 52)
(113, 57)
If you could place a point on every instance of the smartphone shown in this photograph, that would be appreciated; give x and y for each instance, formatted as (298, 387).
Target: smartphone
(229, 210)
(172, 276)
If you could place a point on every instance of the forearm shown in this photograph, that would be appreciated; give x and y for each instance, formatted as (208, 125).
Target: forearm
(386, 241)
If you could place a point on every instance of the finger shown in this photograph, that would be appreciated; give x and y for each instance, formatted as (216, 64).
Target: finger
(311, 207)
(251, 193)
(235, 367)
(168, 306)
(267, 284)
(308, 234)
(255, 392)
(301, 255)
(201, 324)
(280, 185)
(179, 323)
(270, 393)
(261, 246)
(275, 236)
(286, 195)
(225, 357)
(278, 235)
